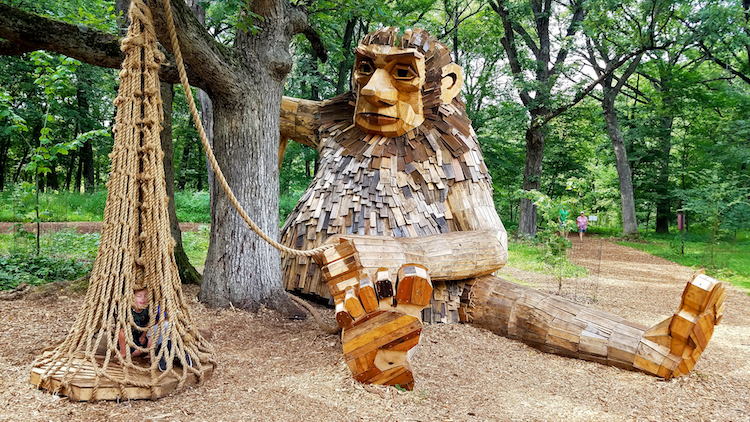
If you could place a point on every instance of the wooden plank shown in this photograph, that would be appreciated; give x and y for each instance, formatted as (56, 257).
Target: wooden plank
(682, 324)
(380, 334)
(367, 294)
(384, 284)
(342, 315)
(343, 249)
(338, 285)
(352, 304)
(340, 267)
(81, 386)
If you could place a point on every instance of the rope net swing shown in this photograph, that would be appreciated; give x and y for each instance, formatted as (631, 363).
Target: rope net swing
(136, 250)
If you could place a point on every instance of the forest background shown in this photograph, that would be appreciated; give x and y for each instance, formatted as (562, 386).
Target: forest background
(633, 111)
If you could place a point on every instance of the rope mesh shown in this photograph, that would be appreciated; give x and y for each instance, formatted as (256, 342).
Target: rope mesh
(136, 247)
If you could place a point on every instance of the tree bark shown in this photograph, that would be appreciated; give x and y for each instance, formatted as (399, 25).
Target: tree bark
(52, 181)
(79, 172)
(4, 161)
(87, 164)
(664, 200)
(627, 201)
(345, 66)
(188, 273)
(207, 116)
(532, 174)
(71, 169)
(241, 268)
(21, 164)
(182, 178)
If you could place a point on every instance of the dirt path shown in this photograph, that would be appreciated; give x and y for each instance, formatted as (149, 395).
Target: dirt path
(276, 370)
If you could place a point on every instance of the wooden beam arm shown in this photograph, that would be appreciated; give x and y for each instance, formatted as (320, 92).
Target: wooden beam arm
(299, 121)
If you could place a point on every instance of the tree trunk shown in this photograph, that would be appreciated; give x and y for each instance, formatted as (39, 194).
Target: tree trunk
(344, 66)
(241, 268)
(532, 174)
(207, 116)
(182, 179)
(664, 200)
(3, 162)
(79, 171)
(52, 181)
(87, 165)
(21, 164)
(188, 273)
(629, 221)
(71, 169)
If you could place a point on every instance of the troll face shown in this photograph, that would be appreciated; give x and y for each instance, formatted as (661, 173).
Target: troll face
(390, 84)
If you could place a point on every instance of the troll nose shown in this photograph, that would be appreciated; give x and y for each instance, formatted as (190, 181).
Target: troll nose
(379, 90)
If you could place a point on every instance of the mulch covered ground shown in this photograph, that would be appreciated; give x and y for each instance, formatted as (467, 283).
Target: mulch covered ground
(277, 370)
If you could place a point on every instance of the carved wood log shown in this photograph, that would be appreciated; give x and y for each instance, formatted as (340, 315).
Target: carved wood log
(556, 325)
(450, 256)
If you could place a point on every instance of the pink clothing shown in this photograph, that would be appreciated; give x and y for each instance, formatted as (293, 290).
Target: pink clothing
(582, 222)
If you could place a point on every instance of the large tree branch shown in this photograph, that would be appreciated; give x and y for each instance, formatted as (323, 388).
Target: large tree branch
(215, 63)
(724, 64)
(543, 119)
(627, 73)
(562, 54)
(32, 32)
(527, 39)
(509, 44)
(24, 32)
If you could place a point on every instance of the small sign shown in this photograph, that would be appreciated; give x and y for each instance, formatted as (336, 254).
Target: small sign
(592, 218)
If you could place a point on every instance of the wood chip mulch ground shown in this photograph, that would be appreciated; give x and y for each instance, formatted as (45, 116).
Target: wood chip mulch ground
(278, 370)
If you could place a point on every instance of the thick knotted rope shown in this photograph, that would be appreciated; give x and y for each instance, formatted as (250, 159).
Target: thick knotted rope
(209, 151)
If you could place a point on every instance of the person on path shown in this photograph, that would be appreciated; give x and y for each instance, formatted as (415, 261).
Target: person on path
(582, 225)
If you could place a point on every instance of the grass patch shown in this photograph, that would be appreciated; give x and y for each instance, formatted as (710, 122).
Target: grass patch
(528, 257)
(196, 245)
(65, 255)
(18, 205)
(193, 206)
(731, 256)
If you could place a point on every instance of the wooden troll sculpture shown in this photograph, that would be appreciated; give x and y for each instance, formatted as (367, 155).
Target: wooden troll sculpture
(403, 192)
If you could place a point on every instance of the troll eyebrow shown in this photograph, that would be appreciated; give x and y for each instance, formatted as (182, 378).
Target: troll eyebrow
(402, 53)
(409, 53)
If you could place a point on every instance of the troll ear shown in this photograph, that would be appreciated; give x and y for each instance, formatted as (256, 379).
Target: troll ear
(453, 80)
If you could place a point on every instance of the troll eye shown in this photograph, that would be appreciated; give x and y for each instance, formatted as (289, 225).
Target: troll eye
(403, 72)
(365, 68)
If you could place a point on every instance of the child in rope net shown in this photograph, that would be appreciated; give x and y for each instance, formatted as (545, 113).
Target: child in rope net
(142, 336)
